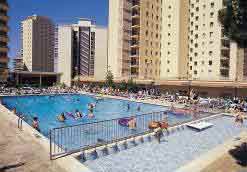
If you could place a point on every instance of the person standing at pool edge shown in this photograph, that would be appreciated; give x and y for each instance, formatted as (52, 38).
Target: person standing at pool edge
(35, 123)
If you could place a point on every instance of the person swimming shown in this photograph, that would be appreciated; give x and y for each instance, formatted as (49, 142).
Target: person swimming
(61, 117)
(35, 123)
(78, 114)
(128, 106)
(139, 108)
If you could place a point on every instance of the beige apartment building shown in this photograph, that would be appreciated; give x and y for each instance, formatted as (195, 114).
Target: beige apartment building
(37, 36)
(82, 51)
(174, 44)
(4, 40)
(134, 39)
(171, 39)
(212, 56)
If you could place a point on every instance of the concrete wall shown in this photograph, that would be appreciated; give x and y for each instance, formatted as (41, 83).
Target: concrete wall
(65, 54)
(100, 68)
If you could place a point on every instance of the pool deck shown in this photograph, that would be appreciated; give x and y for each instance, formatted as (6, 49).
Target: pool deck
(22, 150)
(26, 150)
(217, 159)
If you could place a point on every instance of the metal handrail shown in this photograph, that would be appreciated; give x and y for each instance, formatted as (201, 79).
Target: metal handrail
(71, 139)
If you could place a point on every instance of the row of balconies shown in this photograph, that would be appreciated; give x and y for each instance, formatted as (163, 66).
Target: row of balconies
(4, 6)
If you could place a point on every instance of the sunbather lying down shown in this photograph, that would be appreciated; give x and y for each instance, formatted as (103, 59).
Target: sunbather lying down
(158, 124)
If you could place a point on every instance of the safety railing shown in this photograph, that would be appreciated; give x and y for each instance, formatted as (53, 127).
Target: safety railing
(72, 139)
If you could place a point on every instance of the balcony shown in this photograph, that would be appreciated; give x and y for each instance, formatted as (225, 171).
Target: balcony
(3, 17)
(4, 28)
(135, 14)
(4, 49)
(4, 39)
(227, 58)
(4, 60)
(134, 44)
(135, 4)
(134, 63)
(4, 6)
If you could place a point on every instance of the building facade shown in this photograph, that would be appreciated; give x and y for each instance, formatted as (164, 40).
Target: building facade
(212, 56)
(174, 44)
(77, 50)
(4, 40)
(37, 34)
(134, 40)
(171, 39)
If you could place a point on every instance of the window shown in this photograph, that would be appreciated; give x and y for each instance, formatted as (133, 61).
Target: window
(203, 62)
(212, 4)
(168, 61)
(210, 53)
(167, 70)
(211, 24)
(190, 67)
(195, 63)
(211, 34)
(210, 62)
(196, 45)
(212, 14)
(195, 72)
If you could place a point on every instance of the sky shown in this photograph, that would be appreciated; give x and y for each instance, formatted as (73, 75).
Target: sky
(60, 11)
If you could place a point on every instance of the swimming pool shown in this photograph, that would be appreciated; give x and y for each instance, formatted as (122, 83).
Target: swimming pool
(46, 108)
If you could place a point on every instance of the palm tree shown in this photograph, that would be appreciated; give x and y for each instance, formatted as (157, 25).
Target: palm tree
(233, 18)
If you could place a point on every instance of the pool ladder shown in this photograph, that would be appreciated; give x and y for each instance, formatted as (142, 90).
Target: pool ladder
(20, 119)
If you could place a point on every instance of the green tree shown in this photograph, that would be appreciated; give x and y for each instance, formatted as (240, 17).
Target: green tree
(132, 86)
(234, 21)
(123, 85)
(109, 79)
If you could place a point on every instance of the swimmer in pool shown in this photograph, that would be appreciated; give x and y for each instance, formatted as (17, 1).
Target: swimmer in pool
(78, 114)
(61, 117)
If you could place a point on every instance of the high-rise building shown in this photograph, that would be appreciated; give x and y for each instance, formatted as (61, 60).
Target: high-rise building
(18, 64)
(38, 43)
(171, 39)
(4, 40)
(77, 49)
(212, 56)
(134, 45)
(174, 44)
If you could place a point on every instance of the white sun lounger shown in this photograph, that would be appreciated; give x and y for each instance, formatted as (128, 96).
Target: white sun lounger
(200, 126)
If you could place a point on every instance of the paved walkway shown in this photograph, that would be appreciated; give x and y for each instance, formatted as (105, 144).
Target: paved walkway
(19, 152)
(226, 163)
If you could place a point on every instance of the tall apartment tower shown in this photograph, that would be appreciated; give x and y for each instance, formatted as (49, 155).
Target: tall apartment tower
(4, 40)
(38, 43)
(134, 41)
(174, 44)
(77, 50)
(212, 56)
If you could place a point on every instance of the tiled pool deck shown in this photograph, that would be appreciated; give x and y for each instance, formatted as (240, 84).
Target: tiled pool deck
(175, 150)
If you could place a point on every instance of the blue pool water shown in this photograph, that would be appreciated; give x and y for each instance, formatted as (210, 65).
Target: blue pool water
(174, 151)
(46, 108)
